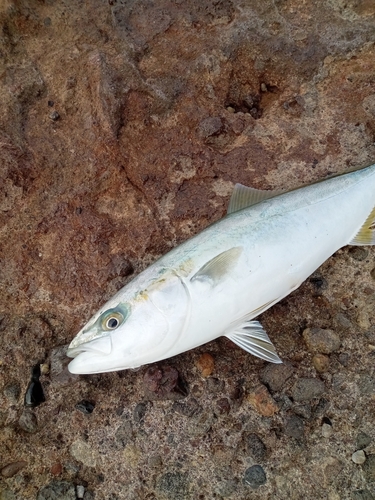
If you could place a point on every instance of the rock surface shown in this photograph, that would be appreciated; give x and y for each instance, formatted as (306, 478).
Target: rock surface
(124, 126)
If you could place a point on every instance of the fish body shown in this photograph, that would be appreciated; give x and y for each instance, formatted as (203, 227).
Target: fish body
(218, 281)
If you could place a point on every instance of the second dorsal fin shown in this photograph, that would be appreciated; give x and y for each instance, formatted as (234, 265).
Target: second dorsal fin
(243, 197)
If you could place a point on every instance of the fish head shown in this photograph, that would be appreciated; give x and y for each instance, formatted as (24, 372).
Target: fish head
(130, 333)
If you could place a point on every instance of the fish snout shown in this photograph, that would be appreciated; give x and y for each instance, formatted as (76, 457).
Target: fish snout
(102, 345)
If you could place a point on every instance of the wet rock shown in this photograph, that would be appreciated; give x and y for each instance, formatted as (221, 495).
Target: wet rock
(254, 477)
(255, 447)
(359, 457)
(13, 468)
(174, 485)
(362, 495)
(34, 394)
(320, 362)
(294, 427)
(274, 376)
(12, 392)
(57, 490)
(84, 452)
(205, 364)
(188, 409)
(262, 401)
(321, 341)
(28, 421)
(369, 468)
(363, 440)
(163, 383)
(85, 406)
(306, 389)
(59, 367)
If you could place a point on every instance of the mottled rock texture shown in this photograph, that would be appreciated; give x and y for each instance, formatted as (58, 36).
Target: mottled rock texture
(124, 125)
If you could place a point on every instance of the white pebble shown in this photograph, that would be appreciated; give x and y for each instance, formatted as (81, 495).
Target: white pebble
(327, 430)
(80, 491)
(359, 457)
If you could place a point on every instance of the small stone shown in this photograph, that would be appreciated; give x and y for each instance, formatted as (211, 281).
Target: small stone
(54, 116)
(155, 461)
(231, 109)
(363, 440)
(358, 253)
(321, 341)
(294, 427)
(12, 469)
(83, 452)
(174, 485)
(85, 407)
(306, 389)
(255, 447)
(44, 369)
(57, 490)
(187, 409)
(56, 469)
(12, 392)
(262, 401)
(34, 394)
(369, 468)
(344, 359)
(163, 383)
(359, 457)
(80, 491)
(205, 364)
(210, 126)
(139, 413)
(263, 87)
(327, 430)
(201, 423)
(254, 476)
(214, 385)
(28, 421)
(320, 362)
(274, 376)
(223, 406)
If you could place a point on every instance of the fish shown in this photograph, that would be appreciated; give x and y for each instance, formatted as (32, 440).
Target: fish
(217, 282)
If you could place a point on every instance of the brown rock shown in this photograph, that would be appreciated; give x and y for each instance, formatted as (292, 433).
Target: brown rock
(322, 341)
(205, 364)
(56, 469)
(274, 376)
(163, 383)
(12, 469)
(262, 401)
(320, 362)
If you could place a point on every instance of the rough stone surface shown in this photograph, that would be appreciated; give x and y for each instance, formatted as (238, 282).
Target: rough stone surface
(255, 476)
(124, 126)
(321, 340)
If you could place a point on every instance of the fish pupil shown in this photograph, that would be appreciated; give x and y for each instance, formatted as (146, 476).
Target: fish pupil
(112, 323)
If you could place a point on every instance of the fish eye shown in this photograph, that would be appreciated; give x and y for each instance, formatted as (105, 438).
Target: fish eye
(112, 323)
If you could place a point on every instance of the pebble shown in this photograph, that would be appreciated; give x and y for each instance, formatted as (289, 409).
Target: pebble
(188, 409)
(306, 389)
(320, 362)
(274, 376)
(56, 469)
(155, 461)
(201, 423)
(139, 413)
(80, 491)
(255, 447)
(254, 476)
(205, 364)
(358, 253)
(54, 116)
(223, 406)
(12, 392)
(369, 468)
(85, 407)
(359, 457)
(215, 385)
(262, 401)
(294, 427)
(57, 490)
(210, 126)
(327, 430)
(84, 452)
(363, 440)
(13, 468)
(174, 485)
(321, 341)
(28, 421)
(164, 383)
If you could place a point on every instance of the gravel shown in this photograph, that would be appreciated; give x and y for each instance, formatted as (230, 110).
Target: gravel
(307, 389)
(255, 476)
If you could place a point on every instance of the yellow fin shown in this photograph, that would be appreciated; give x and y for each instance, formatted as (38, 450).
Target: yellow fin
(366, 235)
(244, 197)
(220, 265)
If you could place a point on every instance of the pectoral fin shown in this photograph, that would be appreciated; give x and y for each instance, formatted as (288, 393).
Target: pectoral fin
(253, 339)
(215, 269)
(243, 197)
(366, 235)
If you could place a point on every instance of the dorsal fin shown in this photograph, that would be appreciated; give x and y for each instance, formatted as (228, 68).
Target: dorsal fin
(243, 197)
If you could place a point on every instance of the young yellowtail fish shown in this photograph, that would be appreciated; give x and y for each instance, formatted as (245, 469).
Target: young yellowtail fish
(217, 282)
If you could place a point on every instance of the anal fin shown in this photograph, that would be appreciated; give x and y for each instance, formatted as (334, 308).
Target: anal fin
(251, 337)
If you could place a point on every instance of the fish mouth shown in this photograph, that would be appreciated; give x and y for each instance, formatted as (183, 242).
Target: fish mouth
(102, 346)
